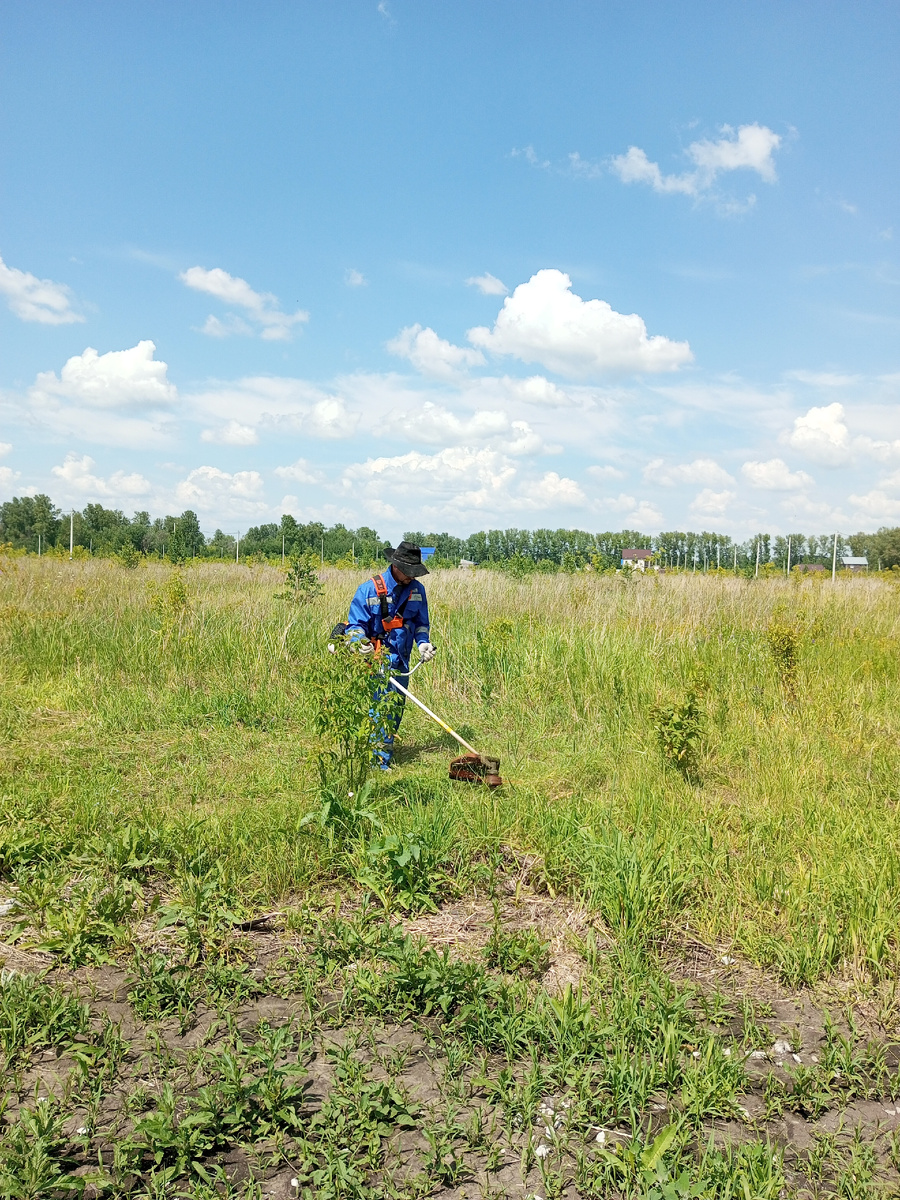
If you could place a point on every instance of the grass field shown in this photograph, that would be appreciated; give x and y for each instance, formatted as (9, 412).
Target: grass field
(660, 962)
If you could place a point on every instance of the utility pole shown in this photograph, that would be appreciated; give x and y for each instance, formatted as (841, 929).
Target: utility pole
(834, 560)
(735, 558)
(788, 571)
(237, 547)
(756, 575)
(71, 533)
(282, 549)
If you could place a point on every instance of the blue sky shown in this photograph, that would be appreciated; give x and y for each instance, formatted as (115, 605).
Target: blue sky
(454, 266)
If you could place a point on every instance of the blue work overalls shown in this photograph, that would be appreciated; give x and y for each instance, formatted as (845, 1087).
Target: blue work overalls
(365, 621)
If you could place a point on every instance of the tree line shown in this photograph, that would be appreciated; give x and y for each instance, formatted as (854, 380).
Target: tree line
(35, 524)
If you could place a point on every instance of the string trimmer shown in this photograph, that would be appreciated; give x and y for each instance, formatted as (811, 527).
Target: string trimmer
(468, 768)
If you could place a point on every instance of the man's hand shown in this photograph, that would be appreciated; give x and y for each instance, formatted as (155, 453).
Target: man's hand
(427, 651)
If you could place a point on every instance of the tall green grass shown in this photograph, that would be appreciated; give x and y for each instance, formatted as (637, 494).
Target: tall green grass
(189, 711)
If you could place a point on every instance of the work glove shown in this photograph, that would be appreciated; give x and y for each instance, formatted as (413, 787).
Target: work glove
(427, 651)
(364, 646)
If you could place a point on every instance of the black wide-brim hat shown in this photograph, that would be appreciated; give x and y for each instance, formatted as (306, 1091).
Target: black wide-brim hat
(408, 558)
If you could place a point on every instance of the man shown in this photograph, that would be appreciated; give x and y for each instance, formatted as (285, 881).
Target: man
(388, 614)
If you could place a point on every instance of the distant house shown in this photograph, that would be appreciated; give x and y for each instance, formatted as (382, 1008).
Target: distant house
(855, 563)
(636, 559)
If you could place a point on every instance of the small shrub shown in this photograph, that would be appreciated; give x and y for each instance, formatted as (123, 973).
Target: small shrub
(301, 581)
(343, 685)
(679, 729)
(171, 605)
(783, 640)
(129, 556)
(518, 566)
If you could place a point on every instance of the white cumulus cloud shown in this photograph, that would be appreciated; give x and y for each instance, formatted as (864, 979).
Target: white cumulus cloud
(300, 471)
(544, 321)
(822, 435)
(232, 433)
(751, 148)
(701, 470)
(552, 489)
(458, 482)
(488, 284)
(261, 308)
(33, 299)
(266, 403)
(438, 426)
(433, 355)
(709, 503)
(120, 379)
(354, 278)
(78, 476)
(209, 490)
(8, 477)
(876, 506)
(5, 448)
(122, 398)
(635, 514)
(775, 476)
(538, 390)
(599, 471)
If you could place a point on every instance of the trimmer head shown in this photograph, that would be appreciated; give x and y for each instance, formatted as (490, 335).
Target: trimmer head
(476, 768)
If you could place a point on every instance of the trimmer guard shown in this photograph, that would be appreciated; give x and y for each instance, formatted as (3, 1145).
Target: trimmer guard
(476, 768)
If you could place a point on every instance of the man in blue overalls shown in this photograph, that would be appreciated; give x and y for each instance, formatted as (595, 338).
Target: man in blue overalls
(387, 615)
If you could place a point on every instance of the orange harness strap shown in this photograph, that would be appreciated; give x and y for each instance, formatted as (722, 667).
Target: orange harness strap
(388, 624)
